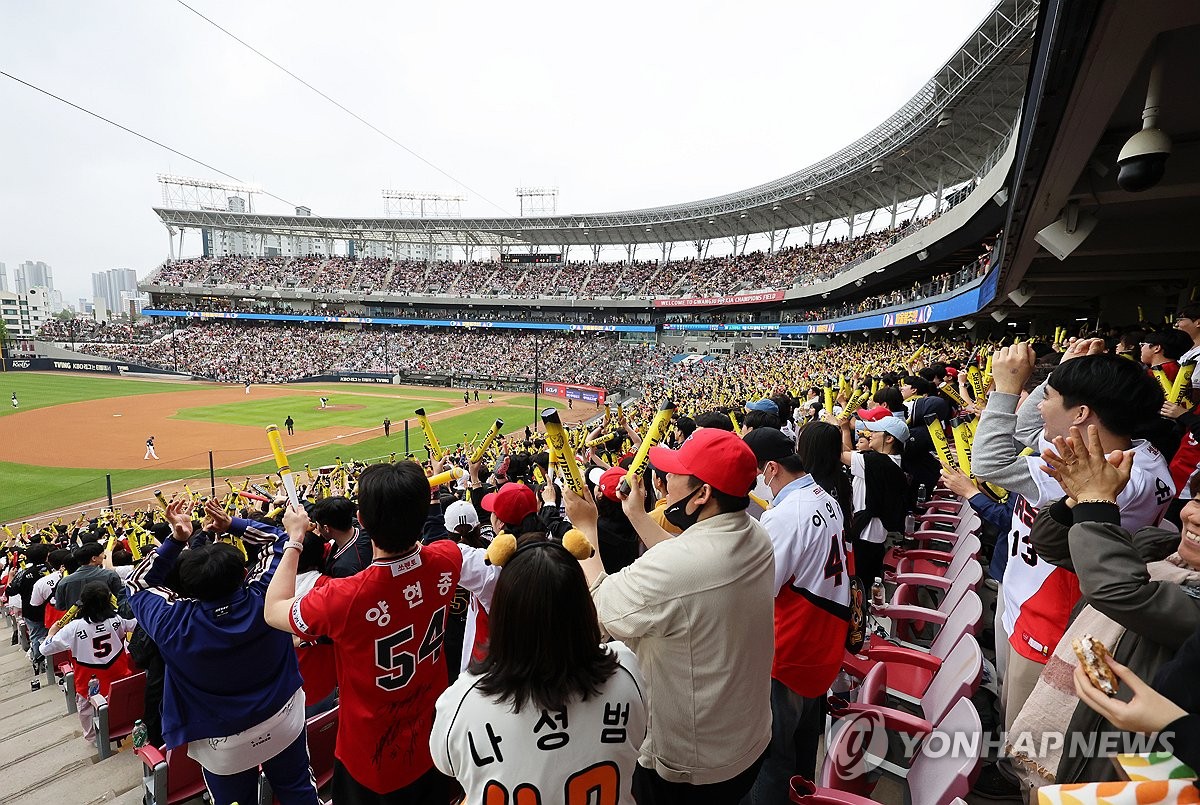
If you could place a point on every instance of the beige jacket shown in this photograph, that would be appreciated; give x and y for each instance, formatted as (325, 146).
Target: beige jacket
(698, 610)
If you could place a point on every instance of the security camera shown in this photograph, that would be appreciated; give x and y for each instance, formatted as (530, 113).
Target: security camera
(1143, 160)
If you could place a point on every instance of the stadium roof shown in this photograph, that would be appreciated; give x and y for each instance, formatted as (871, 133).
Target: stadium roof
(1088, 88)
(952, 131)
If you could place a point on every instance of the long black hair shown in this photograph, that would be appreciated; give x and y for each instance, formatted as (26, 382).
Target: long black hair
(820, 448)
(544, 644)
(95, 602)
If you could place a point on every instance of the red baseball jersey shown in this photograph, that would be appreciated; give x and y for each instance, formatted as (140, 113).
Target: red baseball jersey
(387, 624)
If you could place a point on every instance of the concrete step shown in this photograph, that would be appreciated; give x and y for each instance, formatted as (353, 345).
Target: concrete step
(105, 781)
(39, 768)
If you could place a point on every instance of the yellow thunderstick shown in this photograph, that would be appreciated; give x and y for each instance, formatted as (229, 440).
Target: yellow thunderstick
(281, 461)
(560, 452)
(487, 441)
(430, 438)
(654, 434)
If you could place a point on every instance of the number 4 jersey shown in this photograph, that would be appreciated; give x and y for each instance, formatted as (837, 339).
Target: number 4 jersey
(387, 624)
(583, 755)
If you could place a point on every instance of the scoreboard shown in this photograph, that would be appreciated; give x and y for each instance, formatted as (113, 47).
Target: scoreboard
(532, 258)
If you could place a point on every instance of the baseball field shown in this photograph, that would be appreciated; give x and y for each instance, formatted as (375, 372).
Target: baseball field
(70, 431)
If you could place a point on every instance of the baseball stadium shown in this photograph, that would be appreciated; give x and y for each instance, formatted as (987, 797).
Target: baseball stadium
(875, 482)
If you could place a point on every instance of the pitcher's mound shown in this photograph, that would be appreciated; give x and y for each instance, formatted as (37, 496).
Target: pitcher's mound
(341, 408)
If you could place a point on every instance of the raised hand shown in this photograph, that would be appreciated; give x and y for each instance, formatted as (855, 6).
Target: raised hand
(1084, 470)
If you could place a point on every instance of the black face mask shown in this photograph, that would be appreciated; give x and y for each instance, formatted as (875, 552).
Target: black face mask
(676, 514)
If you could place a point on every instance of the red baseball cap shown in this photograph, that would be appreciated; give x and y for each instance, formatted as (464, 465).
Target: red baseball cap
(511, 503)
(609, 481)
(716, 457)
(873, 414)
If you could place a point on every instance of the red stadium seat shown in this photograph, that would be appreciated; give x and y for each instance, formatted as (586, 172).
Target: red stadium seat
(114, 717)
(169, 777)
(322, 738)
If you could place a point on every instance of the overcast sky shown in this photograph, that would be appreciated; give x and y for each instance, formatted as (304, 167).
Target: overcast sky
(621, 104)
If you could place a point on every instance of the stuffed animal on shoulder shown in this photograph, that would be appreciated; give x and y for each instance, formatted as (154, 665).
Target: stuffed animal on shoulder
(505, 545)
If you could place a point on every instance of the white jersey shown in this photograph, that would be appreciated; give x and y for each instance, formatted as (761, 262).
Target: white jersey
(1027, 576)
(478, 578)
(586, 753)
(1191, 355)
(43, 589)
(93, 645)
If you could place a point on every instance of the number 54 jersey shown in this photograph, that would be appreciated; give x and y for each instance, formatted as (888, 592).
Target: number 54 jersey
(387, 623)
(582, 755)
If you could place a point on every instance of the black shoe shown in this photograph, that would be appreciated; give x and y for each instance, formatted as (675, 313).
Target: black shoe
(995, 784)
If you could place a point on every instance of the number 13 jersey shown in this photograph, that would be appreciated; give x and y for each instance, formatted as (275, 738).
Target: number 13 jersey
(387, 623)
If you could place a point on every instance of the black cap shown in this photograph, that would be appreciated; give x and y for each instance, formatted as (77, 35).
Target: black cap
(769, 444)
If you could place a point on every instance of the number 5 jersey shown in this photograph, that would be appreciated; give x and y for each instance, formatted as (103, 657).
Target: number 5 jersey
(97, 648)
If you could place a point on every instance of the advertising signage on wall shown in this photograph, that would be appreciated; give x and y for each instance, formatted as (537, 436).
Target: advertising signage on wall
(722, 327)
(721, 301)
(504, 325)
(571, 391)
(970, 301)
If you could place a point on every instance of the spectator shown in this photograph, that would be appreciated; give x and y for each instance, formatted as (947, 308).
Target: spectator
(232, 691)
(697, 604)
(551, 709)
(387, 625)
(97, 642)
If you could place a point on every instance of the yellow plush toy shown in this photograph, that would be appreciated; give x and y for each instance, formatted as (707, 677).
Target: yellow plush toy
(505, 545)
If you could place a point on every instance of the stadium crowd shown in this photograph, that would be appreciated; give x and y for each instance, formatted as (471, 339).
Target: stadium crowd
(668, 632)
(84, 330)
(240, 352)
(801, 265)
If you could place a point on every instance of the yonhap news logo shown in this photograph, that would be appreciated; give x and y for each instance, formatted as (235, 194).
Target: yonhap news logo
(860, 745)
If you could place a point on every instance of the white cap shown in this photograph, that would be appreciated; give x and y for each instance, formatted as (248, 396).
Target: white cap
(460, 512)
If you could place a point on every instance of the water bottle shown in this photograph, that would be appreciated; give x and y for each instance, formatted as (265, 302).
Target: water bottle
(140, 734)
(878, 593)
(93, 687)
(922, 494)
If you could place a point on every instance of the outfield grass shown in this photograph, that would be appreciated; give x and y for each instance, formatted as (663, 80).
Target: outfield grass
(308, 414)
(36, 390)
(449, 432)
(29, 489)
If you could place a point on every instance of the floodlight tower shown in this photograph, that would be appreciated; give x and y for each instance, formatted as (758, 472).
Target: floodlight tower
(186, 193)
(415, 204)
(537, 200)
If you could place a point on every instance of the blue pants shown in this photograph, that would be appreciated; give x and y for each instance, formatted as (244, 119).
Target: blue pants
(37, 633)
(288, 772)
(796, 726)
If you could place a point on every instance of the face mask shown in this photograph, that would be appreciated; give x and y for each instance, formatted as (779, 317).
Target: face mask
(763, 489)
(676, 514)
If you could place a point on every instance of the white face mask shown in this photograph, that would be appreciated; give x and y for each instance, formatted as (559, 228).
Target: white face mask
(762, 490)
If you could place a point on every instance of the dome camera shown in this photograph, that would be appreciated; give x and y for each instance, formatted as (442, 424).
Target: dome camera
(1143, 160)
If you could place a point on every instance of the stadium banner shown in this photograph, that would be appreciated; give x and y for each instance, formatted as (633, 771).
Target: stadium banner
(721, 301)
(351, 377)
(501, 325)
(723, 327)
(570, 391)
(970, 301)
(91, 367)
